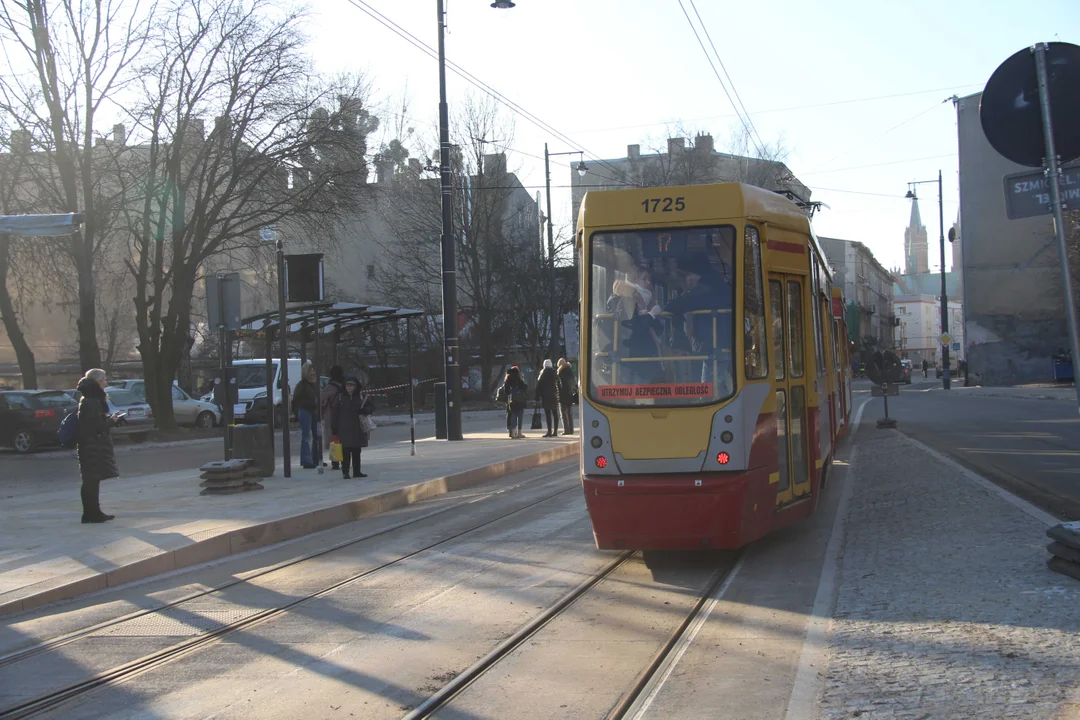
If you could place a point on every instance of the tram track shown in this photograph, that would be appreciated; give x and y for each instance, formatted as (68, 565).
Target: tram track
(151, 661)
(648, 680)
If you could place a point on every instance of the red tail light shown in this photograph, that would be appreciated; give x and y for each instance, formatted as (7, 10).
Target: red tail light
(601, 462)
(44, 413)
(723, 458)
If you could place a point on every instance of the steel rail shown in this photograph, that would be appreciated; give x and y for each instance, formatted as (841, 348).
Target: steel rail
(167, 655)
(68, 638)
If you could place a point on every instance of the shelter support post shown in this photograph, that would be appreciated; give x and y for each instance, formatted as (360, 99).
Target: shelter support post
(270, 383)
(412, 389)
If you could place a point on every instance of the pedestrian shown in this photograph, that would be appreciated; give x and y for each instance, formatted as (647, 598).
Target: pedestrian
(329, 395)
(97, 460)
(925, 367)
(348, 428)
(547, 393)
(305, 401)
(568, 395)
(515, 393)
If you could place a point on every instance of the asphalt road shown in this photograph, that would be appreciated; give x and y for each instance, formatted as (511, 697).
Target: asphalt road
(1030, 447)
(135, 459)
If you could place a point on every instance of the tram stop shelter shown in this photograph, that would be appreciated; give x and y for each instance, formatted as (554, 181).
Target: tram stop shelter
(318, 322)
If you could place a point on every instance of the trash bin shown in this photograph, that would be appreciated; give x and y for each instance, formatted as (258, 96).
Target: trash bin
(440, 411)
(255, 442)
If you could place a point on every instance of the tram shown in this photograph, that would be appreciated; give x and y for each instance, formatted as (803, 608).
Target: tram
(713, 371)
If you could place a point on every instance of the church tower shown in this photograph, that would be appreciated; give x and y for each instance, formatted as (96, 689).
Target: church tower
(915, 248)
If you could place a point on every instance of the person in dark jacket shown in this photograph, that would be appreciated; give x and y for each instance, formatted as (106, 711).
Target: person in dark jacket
(347, 426)
(329, 395)
(305, 400)
(547, 393)
(515, 393)
(97, 460)
(567, 396)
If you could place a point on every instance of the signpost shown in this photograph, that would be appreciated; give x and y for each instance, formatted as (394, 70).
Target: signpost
(1030, 113)
(1027, 194)
(223, 313)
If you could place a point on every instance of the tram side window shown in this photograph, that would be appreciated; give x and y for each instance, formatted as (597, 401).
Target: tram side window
(754, 336)
(815, 309)
(795, 328)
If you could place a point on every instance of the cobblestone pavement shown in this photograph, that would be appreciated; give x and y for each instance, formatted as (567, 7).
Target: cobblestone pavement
(945, 607)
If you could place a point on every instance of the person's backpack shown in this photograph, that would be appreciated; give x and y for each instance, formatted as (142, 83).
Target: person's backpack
(68, 434)
(519, 398)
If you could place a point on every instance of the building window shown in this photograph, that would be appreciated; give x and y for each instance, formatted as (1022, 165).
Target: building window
(370, 272)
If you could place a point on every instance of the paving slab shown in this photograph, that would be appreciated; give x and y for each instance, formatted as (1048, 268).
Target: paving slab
(944, 605)
(163, 523)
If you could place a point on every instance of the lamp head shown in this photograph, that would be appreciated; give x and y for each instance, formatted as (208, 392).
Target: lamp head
(910, 195)
(502, 4)
(582, 169)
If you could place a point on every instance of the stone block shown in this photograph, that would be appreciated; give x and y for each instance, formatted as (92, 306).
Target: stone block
(1067, 533)
(1064, 567)
(1064, 552)
(232, 490)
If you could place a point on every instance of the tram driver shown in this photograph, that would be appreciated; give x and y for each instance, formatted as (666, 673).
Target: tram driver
(706, 290)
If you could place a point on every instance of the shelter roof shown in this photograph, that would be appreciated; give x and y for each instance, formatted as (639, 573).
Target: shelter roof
(325, 318)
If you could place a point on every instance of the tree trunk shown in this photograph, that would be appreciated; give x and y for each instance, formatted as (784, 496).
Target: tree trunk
(23, 353)
(86, 323)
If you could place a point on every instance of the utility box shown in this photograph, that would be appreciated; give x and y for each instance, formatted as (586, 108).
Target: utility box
(255, 442)
(440, 411)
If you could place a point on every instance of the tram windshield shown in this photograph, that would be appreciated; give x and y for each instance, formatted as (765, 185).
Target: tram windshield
(661, 305)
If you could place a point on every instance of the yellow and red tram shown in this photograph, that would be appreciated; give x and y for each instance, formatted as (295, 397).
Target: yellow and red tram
(713, 372)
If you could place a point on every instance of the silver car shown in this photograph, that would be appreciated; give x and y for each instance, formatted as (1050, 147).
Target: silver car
(138, 418)
(186, 409)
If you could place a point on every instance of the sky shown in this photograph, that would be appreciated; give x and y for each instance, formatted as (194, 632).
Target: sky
(856, 91)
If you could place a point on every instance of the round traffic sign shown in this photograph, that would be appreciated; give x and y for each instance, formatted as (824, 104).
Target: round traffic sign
(1010, 113)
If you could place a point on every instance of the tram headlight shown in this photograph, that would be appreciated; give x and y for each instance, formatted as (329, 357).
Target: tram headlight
(723, 458)
(601, 462)
(727, 436)
(596, 441)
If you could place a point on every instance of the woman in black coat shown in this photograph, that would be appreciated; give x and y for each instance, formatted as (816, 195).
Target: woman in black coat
(346, 426)
(97, 461)
(547, 393)
(567, 395)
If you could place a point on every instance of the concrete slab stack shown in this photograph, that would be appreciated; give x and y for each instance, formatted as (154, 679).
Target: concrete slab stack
(227, 477)
(1065, 550)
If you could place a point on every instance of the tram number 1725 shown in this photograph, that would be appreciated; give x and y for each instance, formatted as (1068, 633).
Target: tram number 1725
(666, 204)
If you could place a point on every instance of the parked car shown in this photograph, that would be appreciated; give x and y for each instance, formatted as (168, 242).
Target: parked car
(905, 365)
(138, 418)
(29, 419)
(256, 412)
(186, 409)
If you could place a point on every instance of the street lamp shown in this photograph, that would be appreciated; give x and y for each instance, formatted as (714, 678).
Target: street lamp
(554, 324)
(449, 261)
(945, 380)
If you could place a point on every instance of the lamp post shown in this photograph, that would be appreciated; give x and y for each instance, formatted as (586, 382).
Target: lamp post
(552, 297)
(449, 260)
(945, 379)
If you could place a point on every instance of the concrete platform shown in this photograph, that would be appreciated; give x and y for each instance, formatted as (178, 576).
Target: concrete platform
(163, 523)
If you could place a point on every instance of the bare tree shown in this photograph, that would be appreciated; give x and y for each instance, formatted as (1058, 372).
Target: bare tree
(495, 224)
(77, 57)
(11, 250)
(287, 149)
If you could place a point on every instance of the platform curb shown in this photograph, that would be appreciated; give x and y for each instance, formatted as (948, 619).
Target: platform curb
(252, 537)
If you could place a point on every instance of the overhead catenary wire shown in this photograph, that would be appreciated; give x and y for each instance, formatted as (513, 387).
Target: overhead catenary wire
(723, 85)
(731, 82)
(492, 92)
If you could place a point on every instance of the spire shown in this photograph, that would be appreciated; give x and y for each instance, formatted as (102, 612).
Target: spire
(916, 219)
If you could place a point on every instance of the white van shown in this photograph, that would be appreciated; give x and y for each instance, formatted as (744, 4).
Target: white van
(251, 380)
